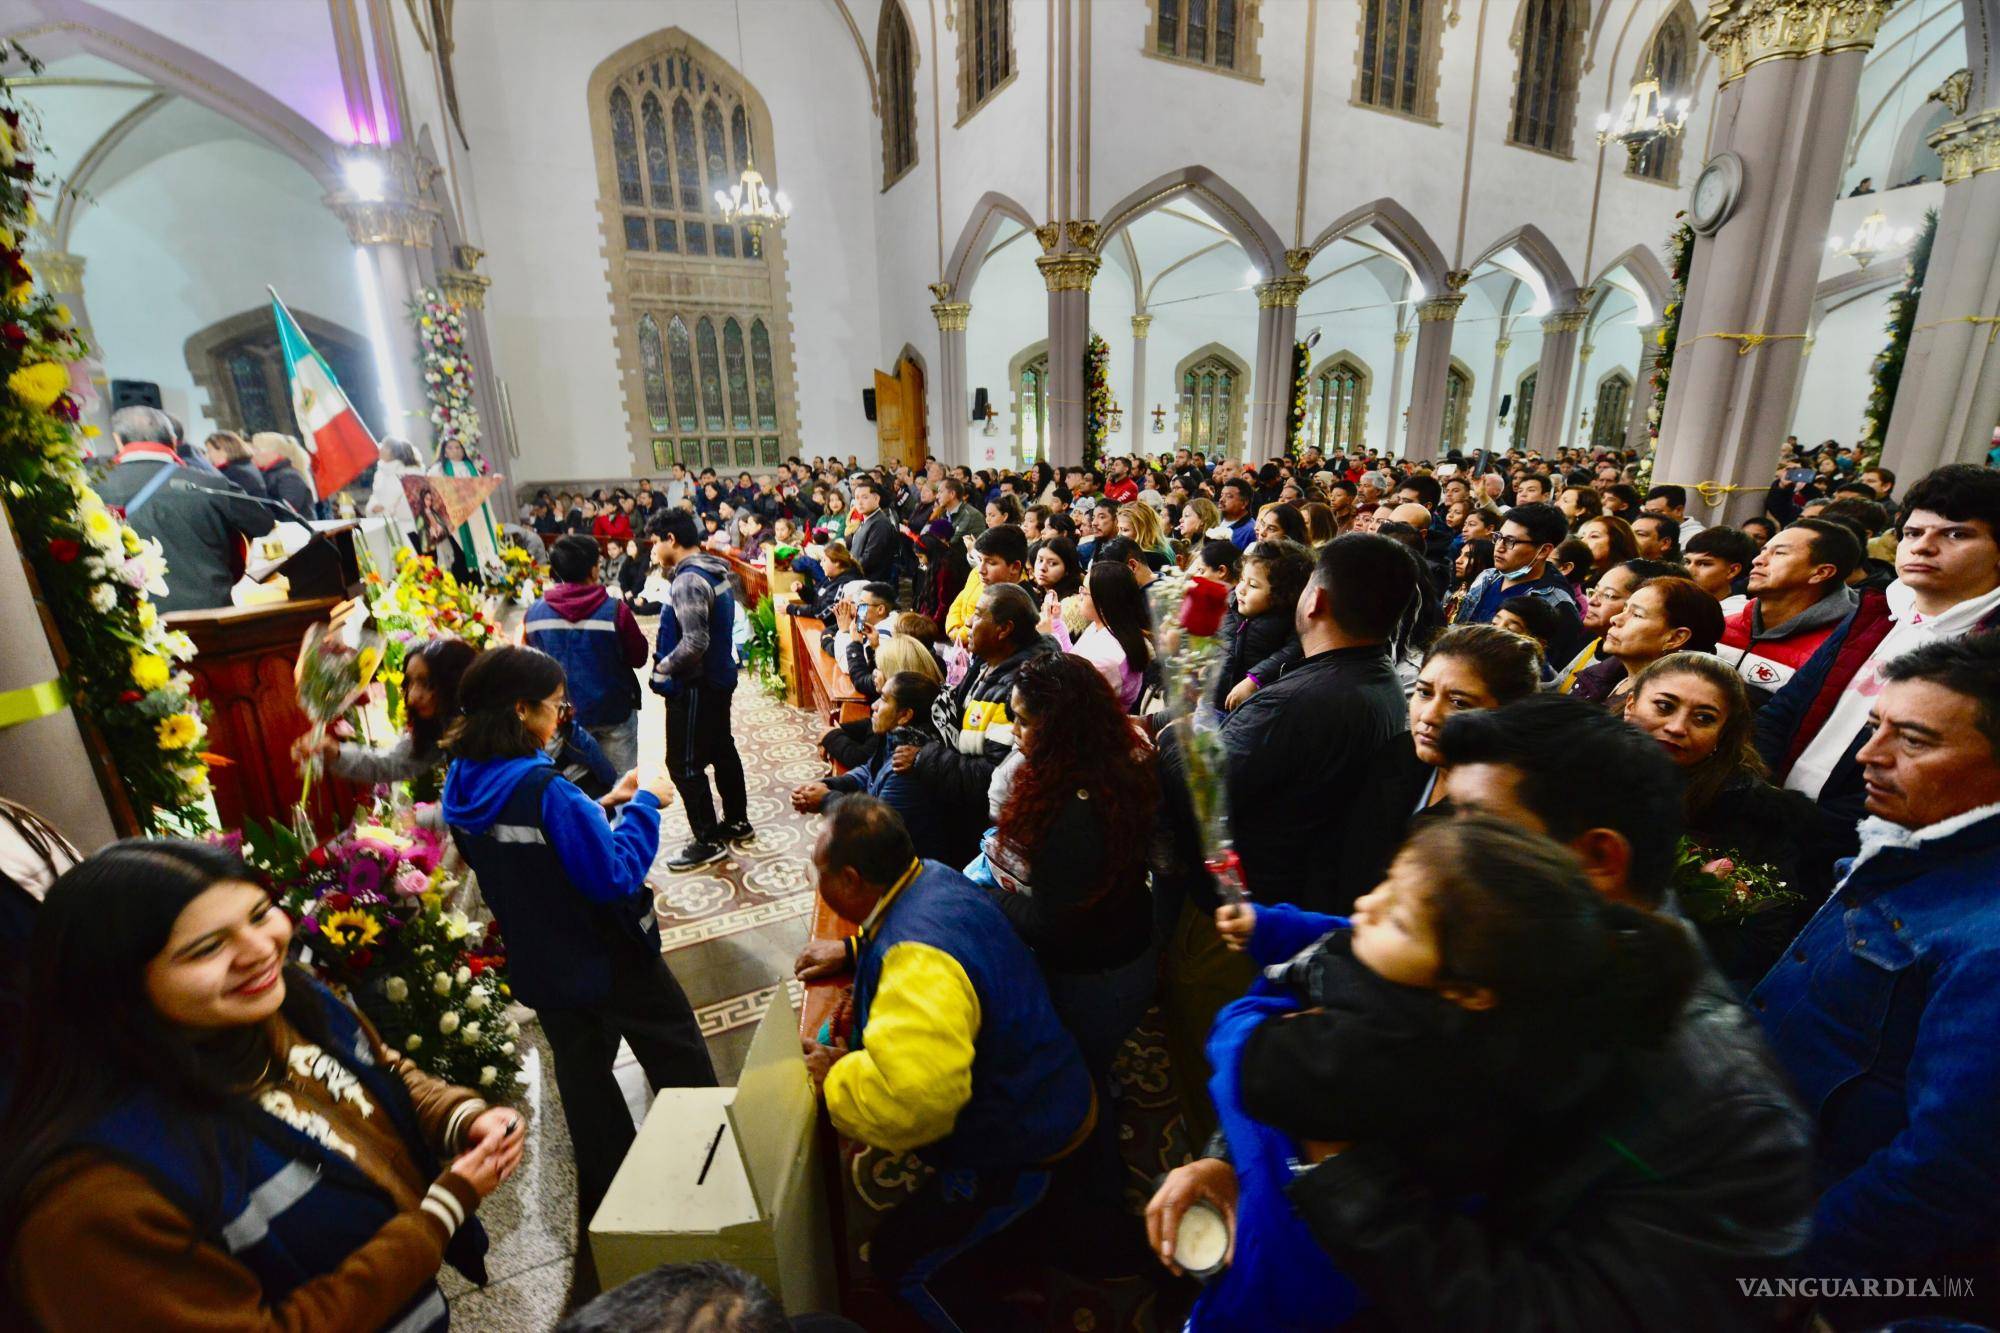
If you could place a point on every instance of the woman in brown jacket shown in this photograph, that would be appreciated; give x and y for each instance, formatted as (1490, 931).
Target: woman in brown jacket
(201, 1136)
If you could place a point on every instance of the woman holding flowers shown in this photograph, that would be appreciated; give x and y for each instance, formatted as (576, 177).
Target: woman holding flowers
(430, 701)
(568, 888)
(203, 1136)
(1761, 841)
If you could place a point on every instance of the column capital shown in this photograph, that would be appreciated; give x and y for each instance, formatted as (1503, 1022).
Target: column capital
(1068, 272)
(1298, 261)
(463, 286)
(1280, 293)
(1586, 350)
(1440, 309)
(1402, 339)
(1743, 33)
(1500, 346)
(1565, 321)
(1141, 325)
(1970, 146)
(382, 200)
(61, 270)
(951, 315)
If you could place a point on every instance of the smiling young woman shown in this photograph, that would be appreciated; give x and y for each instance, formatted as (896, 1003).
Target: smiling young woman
(202, 1135)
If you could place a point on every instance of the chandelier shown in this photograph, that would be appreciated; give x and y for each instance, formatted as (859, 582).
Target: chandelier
(1872, 238)
(1646, 118)
(754, 205)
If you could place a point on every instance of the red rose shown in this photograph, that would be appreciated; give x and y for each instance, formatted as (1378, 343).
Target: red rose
(64, 550)
(130, 697)
(14, 335)
(318, 858)
(1202, 608)
(339, 902)
(477, 963)
(360, 959)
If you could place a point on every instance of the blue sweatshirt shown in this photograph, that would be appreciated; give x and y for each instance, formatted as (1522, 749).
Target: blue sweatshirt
(605, 861)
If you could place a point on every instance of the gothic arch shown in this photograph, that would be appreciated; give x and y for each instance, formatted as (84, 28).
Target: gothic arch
(1533, 245)
(976, 238)
(1235, 213)
(1647, 273)
(1402, 230)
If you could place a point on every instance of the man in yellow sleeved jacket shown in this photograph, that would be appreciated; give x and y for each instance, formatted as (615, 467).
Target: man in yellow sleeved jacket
(958, 1054)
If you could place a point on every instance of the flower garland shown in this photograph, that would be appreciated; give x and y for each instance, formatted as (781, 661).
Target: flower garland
(447, 371)
(97, 575)
(1680, 253)
(1295, 429)
(1888, 368)
(372, 922)
(1096, 399)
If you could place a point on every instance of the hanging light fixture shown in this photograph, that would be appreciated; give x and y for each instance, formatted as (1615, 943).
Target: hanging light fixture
(1874, 237)
(1646, 118)
(750, 202)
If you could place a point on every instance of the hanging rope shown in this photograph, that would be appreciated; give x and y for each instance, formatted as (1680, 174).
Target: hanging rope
(1992, 323)
(1750, 342)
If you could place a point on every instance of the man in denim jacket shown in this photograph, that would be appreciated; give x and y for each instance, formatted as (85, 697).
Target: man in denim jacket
(1886, 1009)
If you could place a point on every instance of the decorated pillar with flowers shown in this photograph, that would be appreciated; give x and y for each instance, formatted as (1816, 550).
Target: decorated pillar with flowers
(1271, 407)
(1068, 263)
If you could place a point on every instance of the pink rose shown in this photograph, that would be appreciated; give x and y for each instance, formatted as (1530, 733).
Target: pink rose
(1720, 866)
(411, 882)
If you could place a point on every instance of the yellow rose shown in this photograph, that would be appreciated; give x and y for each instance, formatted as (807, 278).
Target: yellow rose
(178, 731)
(39, 385)
(148, 617)
(99, 526)
(149, 671)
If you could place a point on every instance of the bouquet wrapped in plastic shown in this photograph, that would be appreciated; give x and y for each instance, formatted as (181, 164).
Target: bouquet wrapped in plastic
(337, 662)
(1187, 615)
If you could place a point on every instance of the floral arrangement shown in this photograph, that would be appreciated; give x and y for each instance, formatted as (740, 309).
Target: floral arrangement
(335, 666)
(516, 574)
(1295, 428)
(761, 653)
(372, 923)
(420, 602)
(97, 576)
(1096, 399)
(1187, 613)
(447, 371)
(1724, 889)
(1888, 368)
(1680, 254)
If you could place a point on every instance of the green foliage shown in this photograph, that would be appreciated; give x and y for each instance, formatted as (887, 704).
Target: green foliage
(1096, 399)
(1680, 256)
(1888, 370)
(761, 655)
(1295, 429)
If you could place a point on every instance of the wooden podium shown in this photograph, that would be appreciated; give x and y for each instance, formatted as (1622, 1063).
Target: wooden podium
(243, 671)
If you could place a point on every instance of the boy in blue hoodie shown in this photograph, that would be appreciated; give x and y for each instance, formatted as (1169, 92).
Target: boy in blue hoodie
(598, 643)
(568, 887)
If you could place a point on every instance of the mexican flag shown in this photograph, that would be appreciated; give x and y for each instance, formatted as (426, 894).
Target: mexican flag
(340, 445)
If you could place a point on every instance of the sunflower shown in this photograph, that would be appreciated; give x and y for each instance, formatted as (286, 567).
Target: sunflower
(177, 731)
(349, 929)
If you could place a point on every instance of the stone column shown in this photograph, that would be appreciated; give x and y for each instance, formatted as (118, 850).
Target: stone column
(391, 226)
(1547, 428)
(1067, 273)
(1435, 320)
(1583, 400)
(1637, 436)
(1949, 400)
(1277, 332)
(1784, 65)
(953, 441)
(1142, 325)
(1501, 347)
(1396, 405)
(61, 273)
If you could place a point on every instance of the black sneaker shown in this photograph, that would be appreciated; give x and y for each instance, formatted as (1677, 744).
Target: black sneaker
(737, 831)
(695, 854)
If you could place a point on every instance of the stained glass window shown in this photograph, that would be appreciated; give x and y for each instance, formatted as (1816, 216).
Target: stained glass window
(625, 148)
(1524, 409)
(653, 363)
(746, 453)
(899, 92)
(659, 167)
(712, 407)
(686, 158)
(635, 233)
(769, 451)
(1399, 56)
(663, 454)
(253, 392)
(1337, 400)
(1609, 420)
(739, 375)
(719, 176)
(760, 363)
(1457, 394)
(1208, 401)
(680, 353)
(1031, 410)
(1197, 29)
(985, 51)
(1168, 37)
(1545, 93)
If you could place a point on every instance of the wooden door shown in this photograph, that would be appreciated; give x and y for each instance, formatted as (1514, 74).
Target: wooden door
(888, 419)
(900, 425)
(916, 420)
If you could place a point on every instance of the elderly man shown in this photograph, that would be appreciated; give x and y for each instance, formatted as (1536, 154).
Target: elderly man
(1884, 1010)
(201, 522)
(957, 1051)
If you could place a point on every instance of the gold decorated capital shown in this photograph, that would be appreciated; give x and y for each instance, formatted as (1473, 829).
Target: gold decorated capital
(951, 315)
(1402, 339)
(1440, 309)
(1455, 280)
(1049, 234)
(1070, 271)
(1281, 293)
(1141, 325)
(1745, 33)
(1500, 346)
(1297, 261)
(1082, 233)
(394, 212)
(1565, 321)
(1969, 147)
(1955, 93)
(61, 271)
(940, 291)
(464, 288)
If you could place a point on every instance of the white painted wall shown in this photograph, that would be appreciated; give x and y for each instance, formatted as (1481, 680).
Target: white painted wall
(1839, 375)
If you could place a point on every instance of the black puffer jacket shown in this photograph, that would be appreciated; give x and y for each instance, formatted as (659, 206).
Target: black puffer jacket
(1688, 1168)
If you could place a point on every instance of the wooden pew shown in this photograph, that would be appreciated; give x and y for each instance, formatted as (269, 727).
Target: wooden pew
(756, 583)
(819, 684)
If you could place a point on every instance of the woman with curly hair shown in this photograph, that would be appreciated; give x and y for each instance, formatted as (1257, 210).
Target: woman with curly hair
(1069, 850)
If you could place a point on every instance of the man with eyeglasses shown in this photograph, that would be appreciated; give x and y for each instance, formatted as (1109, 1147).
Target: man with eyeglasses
(1528, 537)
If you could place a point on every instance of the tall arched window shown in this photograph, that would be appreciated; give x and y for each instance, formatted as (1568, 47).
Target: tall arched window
(1031, 410)
(1212, 402)
(703, 316)
(1524, 408)
(1610, 420)
(1671, 60)
(1220, 34)
(897, 69)
(1397, 65)
(1457, 401)
(1338, 406)
(985, 52)
(1551, 47)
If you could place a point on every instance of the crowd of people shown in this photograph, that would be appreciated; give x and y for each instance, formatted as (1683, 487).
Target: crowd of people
(1603, 939)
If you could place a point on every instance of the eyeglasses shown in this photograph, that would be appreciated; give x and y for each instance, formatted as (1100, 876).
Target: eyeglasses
(1502, 542)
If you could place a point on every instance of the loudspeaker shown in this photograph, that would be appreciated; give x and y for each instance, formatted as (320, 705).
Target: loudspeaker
(134, 393)
(868, 403)
(1506, 401)
(979, 404)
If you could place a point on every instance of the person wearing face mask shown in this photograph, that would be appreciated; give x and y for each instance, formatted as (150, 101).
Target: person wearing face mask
(1695, 706)
(1662, 615)
(202, 1136)
(1468, 667)
(1528, 536)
